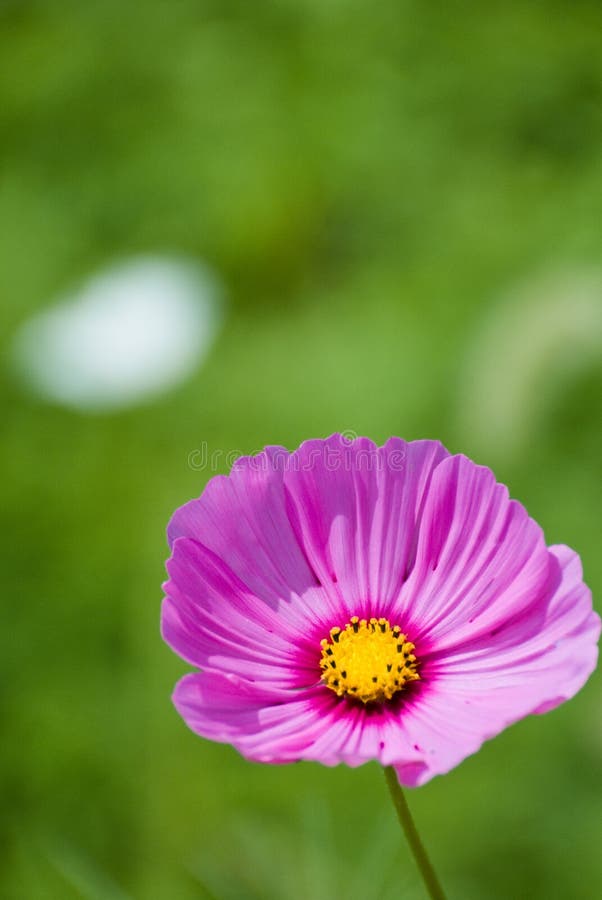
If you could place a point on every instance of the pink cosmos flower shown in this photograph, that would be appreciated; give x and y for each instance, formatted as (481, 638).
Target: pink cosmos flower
(348, 602)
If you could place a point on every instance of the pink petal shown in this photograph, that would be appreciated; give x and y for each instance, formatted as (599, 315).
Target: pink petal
(267, 724)
(545, 655)
(530, 665)
(479, 560)
(212, 620)
(243, 520)
(355, 507)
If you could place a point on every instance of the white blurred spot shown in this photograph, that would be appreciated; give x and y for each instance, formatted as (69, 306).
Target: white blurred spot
(132, 331)
(540, 337)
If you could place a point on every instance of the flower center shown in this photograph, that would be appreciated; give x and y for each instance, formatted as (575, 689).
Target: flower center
(368, 659)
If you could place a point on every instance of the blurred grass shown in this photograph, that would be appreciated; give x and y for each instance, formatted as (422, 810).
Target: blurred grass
(367, 181)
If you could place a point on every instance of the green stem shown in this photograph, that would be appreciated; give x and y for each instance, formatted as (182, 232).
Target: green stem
(434, 889)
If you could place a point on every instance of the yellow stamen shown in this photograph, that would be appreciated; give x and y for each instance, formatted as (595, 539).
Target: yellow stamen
(367, 659)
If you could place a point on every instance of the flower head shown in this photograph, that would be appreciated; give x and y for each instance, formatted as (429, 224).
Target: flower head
(348, 602)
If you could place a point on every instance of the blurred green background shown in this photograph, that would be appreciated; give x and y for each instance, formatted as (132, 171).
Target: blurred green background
(403, 201)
